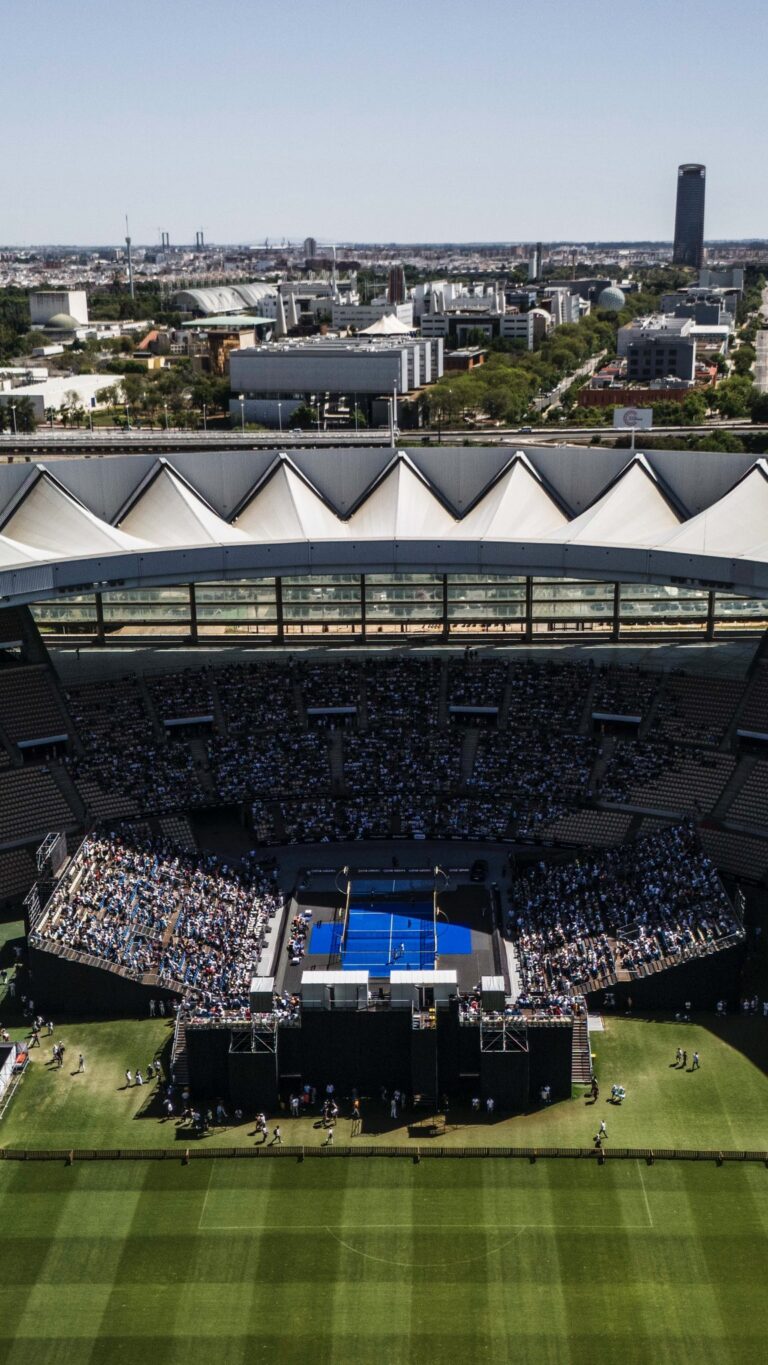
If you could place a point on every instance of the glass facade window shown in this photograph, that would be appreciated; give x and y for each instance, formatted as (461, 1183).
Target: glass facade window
(485, 600)
(568, 600)
(73, 614)
(146, 606)
(375, 605)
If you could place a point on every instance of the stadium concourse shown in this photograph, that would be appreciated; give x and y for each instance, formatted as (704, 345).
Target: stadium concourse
(282, 846)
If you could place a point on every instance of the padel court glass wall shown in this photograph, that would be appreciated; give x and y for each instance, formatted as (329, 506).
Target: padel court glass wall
(395, 606)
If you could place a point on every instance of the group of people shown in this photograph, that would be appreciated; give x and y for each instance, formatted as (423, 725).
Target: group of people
(400, 751)
(196, 924)
(575, 924)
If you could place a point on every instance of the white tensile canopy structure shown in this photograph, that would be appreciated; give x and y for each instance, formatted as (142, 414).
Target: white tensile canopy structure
(387, 326)
(698, 519)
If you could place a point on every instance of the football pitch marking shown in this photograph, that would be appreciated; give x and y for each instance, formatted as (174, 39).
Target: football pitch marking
(205, 1200)
(645, 1194)
(427, 1265)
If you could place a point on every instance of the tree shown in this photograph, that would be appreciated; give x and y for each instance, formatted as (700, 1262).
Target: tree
(759, 408)
(305, 415)
(26, 420)
(733, 397)
(744, 359)
(694, 408)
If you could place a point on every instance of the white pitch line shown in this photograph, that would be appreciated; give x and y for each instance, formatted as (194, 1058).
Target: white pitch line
(290, 1226)
(645, 1194)
(205, 1200)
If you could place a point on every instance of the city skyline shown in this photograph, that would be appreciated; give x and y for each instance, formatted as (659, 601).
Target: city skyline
(513, 126)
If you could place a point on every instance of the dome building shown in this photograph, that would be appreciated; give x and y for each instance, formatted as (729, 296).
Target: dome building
(62, 322)
(612, 299)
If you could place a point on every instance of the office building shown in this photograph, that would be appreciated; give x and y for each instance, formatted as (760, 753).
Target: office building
(361, 315)
(275, 380)
(55, 307)
(724, 277)
(659, 348)
(689, 216)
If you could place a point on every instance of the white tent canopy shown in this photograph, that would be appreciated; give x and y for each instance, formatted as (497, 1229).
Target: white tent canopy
(169, 512)
(135, 519)
(517, 507)
(633, 511)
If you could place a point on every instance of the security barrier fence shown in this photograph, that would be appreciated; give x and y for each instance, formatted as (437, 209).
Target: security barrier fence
(417, 1152)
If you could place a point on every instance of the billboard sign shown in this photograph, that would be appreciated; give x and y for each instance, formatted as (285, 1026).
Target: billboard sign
(633, 419)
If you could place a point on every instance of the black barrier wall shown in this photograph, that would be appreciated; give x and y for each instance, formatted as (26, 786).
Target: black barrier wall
(368, 1050)
(703, 981)
(64, 986)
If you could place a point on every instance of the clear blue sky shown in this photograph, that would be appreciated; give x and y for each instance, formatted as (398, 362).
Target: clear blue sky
(371, 120)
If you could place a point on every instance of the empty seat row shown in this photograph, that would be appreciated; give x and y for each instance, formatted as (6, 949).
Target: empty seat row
(29, 705)
(31, 804)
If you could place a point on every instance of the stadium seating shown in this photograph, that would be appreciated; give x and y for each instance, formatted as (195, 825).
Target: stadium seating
(31, 804)
(17, 873)
(698, 710)
(754, 713)
(179, 919)
(29, 705)
(617, 915)
(751, 803)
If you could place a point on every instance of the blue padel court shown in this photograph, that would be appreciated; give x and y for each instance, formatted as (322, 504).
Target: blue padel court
(400, 937)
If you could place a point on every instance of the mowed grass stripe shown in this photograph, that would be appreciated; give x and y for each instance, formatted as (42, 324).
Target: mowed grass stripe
(589, 1346)
(402, 1260)
(722, 1104)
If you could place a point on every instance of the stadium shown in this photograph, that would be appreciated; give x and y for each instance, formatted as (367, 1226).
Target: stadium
(418, 801)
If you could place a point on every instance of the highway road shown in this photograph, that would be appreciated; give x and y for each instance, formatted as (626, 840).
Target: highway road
(52, 443)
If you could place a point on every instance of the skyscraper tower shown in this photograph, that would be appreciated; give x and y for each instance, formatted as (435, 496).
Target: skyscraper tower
(396, 288)
(689, 215)
(130, 260)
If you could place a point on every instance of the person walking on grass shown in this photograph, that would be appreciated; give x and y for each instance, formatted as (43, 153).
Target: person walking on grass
(696, 1063)
(329, 1139)
(678, 1056)
(139, 1078)
(685, 1059)
(602, 1131)
(128, 1079)
(81, 1065)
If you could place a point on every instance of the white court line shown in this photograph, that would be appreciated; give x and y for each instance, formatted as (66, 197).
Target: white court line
(645, 1194)
(205, 1200)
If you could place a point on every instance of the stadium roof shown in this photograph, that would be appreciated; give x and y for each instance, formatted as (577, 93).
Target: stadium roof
(231, 321)
(226, 298)
(693, 518)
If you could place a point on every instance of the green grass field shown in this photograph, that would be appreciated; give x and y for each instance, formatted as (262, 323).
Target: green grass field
(723, 1104)
(381, 1260)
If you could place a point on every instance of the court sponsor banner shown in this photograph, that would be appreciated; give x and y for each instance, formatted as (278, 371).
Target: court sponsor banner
(633, 419)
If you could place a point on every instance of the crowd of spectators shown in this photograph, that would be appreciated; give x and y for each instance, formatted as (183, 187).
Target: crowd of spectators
(399, 767)
(576, 924)
(183, 695)
(624, 691)
(477, 683)
(194, 923)
(118, 750)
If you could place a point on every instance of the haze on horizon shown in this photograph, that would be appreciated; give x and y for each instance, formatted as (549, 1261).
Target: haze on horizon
(382, 122)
